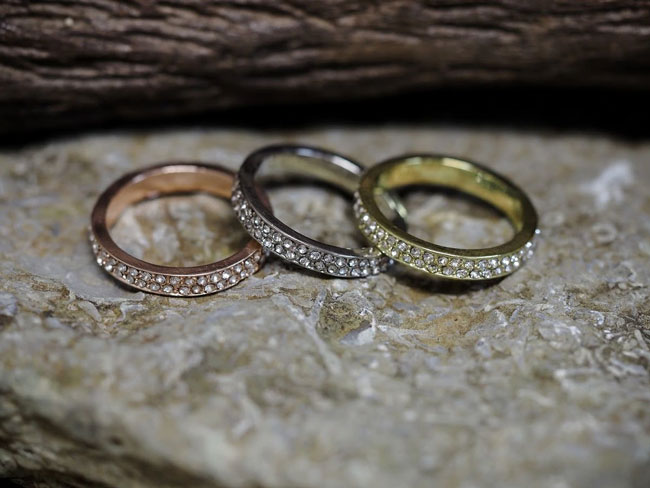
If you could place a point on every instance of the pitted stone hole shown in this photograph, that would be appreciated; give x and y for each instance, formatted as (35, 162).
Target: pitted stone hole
(180, 230)
(453, 219)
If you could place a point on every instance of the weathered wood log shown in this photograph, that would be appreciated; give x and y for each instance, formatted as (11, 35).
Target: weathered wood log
(63, 62)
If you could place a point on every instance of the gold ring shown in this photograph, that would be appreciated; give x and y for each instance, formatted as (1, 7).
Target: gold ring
(464, 176)
(153, 182)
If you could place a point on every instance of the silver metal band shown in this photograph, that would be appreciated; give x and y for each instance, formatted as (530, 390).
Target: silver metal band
(281, 240)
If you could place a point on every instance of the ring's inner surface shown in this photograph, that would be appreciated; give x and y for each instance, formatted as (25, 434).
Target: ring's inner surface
(171, 180)
(458, 175)
(176, 217)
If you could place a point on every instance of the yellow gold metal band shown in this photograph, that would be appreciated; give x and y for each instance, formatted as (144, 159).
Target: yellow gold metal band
(466, 177)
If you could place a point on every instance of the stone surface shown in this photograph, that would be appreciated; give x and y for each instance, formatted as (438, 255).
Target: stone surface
(291, 380)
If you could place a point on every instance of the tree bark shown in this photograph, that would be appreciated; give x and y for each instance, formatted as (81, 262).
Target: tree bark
(67, 61)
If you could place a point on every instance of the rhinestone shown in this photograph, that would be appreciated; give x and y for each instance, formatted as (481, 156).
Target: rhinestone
(454, 263)
(343, 271)
(402, 246)
(288, 244)
(529, 244)
(249, 264)
(493, 263)
(130, 279)
(220, 285)
(203, 280)
(302, 249)
(257, 256)
(475, 275)
(160, 279)
(447, 271)
(353, 263)
(303, 261)
(487, 274)
(121, 268)
(108, 267)
(373, 261)
(529, 255)
(209, 288)
(482, 264)
(196, 289)
(258, 235)
(319, 265)
(225, 275)
(314, 255)
(380, 234)
(419, 263)
(184, 290)
(214, 277)
(277, 237)
(406, 258)
(365, 271)
(355, 273)
(267, 243)
(365, 218)
(443, 260)
(372, 226)
(328, 258)
(257, 221)
(238, 268)
(174, 280)
(363, 263)
(515, 263)
(232, 280)
(340, 262)
(394, 252)
(390, 241)
(432, 268)
(190, 281)
(428, 257)
(508, 269)
(462, 273)
(133, 272)
(376, 270)
(331, 269)
(505, 261)
(498, 271)
(290, 255)
(243, 274)
(468, 265)
(416, 252)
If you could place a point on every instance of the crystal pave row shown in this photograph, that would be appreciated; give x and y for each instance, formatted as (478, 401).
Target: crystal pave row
(175, 285)
(436, 263)
(368, 262)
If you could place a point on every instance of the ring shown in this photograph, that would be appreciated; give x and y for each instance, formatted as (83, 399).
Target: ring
(280, 239)
(153, 182)
(467, 177)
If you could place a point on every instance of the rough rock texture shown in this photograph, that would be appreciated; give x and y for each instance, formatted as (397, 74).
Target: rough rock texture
(290, 380)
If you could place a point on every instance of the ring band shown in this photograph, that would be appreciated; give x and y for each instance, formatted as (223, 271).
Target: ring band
(280, 239)
(152, 182)
(467, 177)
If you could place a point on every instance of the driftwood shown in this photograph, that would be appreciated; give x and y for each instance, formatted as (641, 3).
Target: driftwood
(65, 62)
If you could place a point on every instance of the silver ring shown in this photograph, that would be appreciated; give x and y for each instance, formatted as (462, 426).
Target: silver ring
(281, 240)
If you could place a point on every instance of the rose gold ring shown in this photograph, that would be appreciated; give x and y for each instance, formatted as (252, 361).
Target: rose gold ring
(152, 182)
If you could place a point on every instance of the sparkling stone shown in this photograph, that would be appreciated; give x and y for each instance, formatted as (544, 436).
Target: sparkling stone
(380, 234)
(406, 258)
(168, 288)
(277, 237)
(328, 258)
(190, 281)
(402, 246)
(249, 264)
(528, 245)
(432, 268)
(215, 278)
(133, 272)
(462, 273)
(376, 270)
(175, 280)
(288, 244)
(419, 263)
(268, 243)
(233, 279)
(372, 226)
(343, 271)
(314, 255)
(482, 264)
(468, 264)
(319, 265)
(108, 267)
(238, 268)
(221, 285)
(331, 269)
(257, 221)
(203, 280)
(266, 229)
(354, 272)
(363, 263)
(303, 261)
(121, 268)
(454, 263)
(487, 274)
(365, 271)
(290, 255)
(428, 257)
(196, 289)
(505, 261)
(498, 271)
(258, 234)
(141, 283)
(353, 263)
(226, 274)
(130, 279)
(515, 263)
(394, 252)
(447, 271)
(373, 262)
(365, 218)
(508, 269)
(493, 263)
(184, 290)
(340, 262)
(390, 241)
(209, 288)
(416, 252)
(475, 275)
(160, 279)
(302, 249)
(443, 260)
